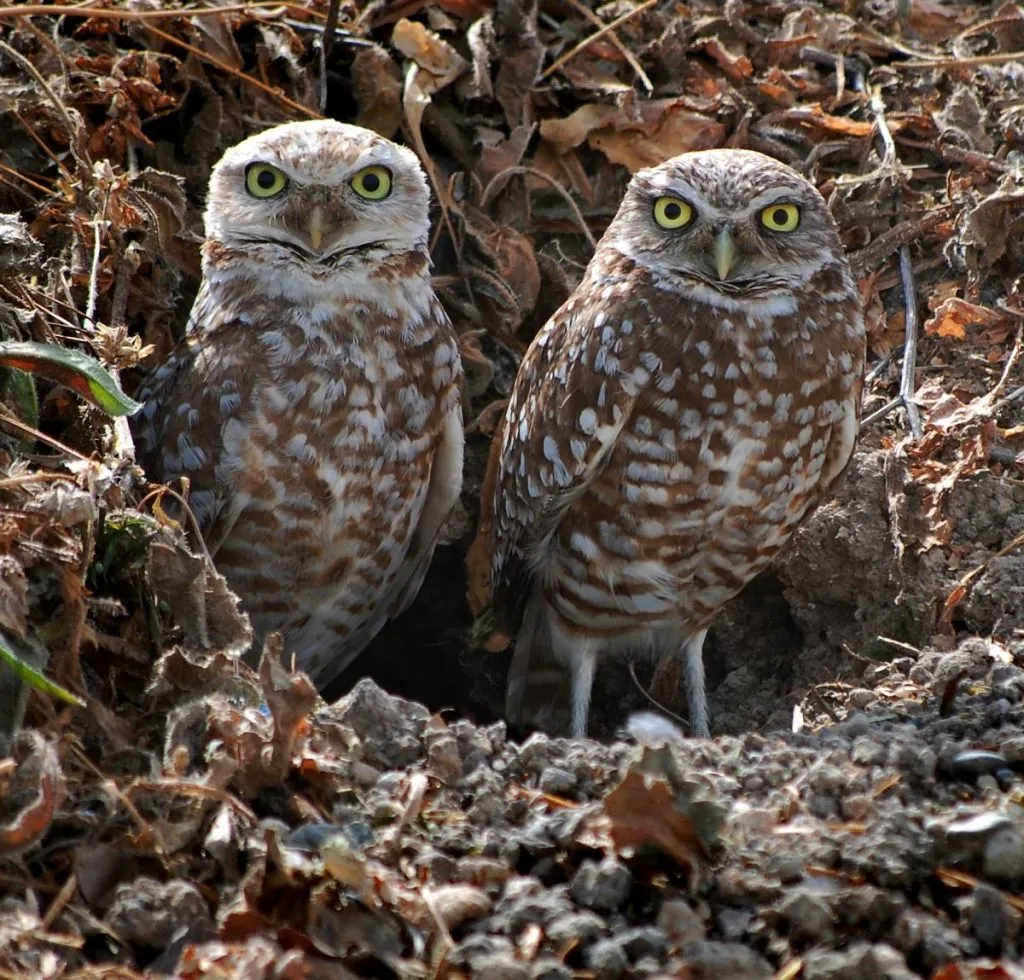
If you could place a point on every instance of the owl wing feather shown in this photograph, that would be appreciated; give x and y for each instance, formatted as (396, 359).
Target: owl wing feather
(559, 429)
(442, 493)
(190, 391)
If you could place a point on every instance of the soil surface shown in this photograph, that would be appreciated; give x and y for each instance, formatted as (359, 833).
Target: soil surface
(860, 812)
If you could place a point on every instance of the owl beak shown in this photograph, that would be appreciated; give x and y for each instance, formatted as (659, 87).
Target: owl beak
(724, 253)
(315, 227)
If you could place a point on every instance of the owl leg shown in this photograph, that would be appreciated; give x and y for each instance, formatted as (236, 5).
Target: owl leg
(693, 654)
(584, 665)
(519, 669)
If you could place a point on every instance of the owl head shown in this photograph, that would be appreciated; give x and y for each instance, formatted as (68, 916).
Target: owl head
(318, 191)
(725, 224)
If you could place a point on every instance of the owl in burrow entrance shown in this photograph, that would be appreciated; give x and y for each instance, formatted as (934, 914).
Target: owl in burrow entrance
(672, 424)
(314, 404)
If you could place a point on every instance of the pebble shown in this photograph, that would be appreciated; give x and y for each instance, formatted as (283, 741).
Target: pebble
(603, 887)
(974, 762)
(556, 781)
(1004, 855)
(548, 968)
(808, 916)
(581, 926)
(643, 941)
(709, 960)
(607, 959)
(679, 922)
(1012, 750)
(989, 918)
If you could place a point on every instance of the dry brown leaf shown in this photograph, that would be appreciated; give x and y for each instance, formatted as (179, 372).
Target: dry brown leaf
(954, 315)
(432, 54)
(565, 134)
(33, 795)
(377, 87)
(643, 812)
(200, 600)
(13, 595)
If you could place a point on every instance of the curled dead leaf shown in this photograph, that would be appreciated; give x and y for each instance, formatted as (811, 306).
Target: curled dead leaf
(33, 795)
(954, 315)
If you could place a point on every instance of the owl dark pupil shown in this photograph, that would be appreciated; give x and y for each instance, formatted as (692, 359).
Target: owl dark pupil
(266, 179)
(371, 182)
(672, 211)
(780, 217)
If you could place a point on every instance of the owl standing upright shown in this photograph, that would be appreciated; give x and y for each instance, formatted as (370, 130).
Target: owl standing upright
(314, 404)
(677, 418)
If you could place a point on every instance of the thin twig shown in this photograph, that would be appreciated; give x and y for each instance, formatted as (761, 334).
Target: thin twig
(102, 13)
(94, 274)
(890, 163)
(1003, 58)
(27, 180)
(631, 58)
(512, 171)
(240, 75)
(597, 35)
(29, 430)
(650, 697)
(880, 413)
(58, 104)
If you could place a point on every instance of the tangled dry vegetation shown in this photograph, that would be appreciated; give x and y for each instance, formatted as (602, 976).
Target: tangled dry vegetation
(164, 823)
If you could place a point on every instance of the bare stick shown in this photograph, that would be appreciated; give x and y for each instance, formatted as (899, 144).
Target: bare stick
(889, 168)
(587, 41)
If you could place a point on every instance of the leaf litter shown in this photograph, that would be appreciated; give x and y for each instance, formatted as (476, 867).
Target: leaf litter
(200, 816)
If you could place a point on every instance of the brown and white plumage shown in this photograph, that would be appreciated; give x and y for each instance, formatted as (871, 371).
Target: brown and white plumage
(314, 404)
(675, 420)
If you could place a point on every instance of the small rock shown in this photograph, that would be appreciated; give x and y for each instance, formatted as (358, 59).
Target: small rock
(990, 919)
(860, 697)
(389, 728)
(607, 959)
(1004, 855)
(501, 966)
(679, 922)
(147, 913)
(974, 763)
(458, 904)
(581, 926)
(481, 871)
(788, 868)
(556, 781)
(969, 835)
(733, 923)
(603, 887)
(708, 960)
(860, 962)
(443, 758)
(808, 915)
(643, 941)
(548, 968)
(867, 751)
(1012, 749)
(857, 807)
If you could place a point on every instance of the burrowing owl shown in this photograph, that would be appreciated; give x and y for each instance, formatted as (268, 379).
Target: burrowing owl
(314, 404)
(675, 420)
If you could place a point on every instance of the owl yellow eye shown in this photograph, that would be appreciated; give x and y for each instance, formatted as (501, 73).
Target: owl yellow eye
(373, 183)
(672, 212)
(263, 180)
(781, 217)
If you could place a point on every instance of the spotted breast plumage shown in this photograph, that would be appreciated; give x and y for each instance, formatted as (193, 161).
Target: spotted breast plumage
(314, 404)
(672, 424)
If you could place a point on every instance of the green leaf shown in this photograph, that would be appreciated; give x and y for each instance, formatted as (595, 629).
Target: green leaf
(79, 372)
(33, 678)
